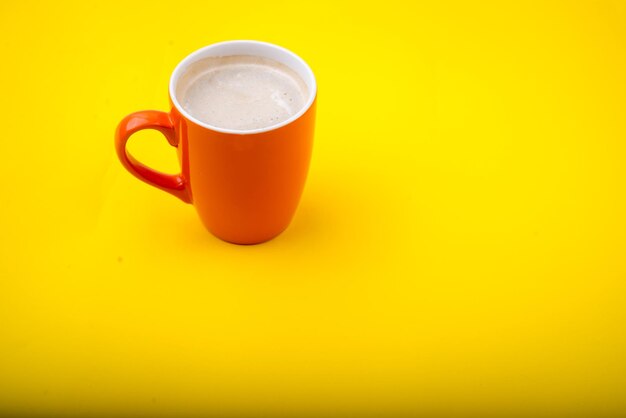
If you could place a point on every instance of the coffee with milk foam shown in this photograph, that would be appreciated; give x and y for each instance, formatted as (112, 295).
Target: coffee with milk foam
(241, 92)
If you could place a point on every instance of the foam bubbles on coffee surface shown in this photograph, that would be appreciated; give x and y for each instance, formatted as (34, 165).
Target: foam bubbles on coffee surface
(241, 92)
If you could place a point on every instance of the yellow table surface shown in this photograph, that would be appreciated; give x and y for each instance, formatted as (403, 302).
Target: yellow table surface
(459, 248)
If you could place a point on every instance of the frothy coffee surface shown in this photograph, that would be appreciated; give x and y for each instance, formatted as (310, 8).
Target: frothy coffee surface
(241, 92)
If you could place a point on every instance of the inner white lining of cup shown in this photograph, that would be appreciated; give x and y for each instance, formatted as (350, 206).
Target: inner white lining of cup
(254, 48)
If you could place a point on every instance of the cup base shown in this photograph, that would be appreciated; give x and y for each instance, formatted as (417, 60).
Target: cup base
(247, 240)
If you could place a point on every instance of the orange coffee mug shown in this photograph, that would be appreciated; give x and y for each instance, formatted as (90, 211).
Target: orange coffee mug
(245, 185)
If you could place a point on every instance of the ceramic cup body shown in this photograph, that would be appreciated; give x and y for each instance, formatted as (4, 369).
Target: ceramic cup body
(245, 185)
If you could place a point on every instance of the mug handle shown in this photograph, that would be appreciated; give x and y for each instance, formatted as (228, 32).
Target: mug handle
(160, 121)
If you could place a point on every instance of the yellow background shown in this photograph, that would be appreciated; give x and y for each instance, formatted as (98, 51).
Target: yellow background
(459, 248)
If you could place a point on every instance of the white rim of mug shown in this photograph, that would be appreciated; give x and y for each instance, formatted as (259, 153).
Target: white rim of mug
(200, 53)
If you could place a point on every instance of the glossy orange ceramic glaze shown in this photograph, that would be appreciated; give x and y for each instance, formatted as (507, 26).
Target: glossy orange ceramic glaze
(245, 187)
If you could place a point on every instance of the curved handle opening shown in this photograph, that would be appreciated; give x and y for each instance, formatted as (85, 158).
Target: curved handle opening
(160, 121)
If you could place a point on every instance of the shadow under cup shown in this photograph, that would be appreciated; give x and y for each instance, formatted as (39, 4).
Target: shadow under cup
(244, 184)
